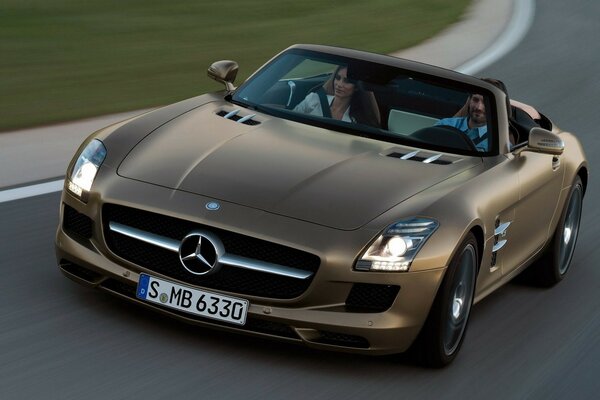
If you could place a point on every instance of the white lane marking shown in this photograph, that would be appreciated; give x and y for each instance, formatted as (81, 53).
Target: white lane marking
(520, 22)
(31, 191)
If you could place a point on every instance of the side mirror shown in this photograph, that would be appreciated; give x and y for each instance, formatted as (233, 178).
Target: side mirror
(225, 72)
(543, 141)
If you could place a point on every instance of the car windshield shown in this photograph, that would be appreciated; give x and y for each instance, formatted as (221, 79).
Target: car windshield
(379, 101)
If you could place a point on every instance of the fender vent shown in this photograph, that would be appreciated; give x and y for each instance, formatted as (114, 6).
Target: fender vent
(234, 116)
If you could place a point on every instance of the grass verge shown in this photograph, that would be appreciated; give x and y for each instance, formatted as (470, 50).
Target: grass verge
(69, 59)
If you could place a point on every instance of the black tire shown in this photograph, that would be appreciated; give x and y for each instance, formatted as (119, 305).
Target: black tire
(554, 264)
(444, 330)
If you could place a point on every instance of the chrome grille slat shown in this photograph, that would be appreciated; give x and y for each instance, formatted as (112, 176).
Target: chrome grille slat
(147, 237)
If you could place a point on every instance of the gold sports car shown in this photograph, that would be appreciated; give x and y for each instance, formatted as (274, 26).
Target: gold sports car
(337, 198)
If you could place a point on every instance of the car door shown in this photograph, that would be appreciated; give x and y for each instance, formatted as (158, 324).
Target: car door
(540, 181)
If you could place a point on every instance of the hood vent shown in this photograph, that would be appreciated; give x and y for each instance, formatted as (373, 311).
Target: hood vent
(233, 115)
(426, 158)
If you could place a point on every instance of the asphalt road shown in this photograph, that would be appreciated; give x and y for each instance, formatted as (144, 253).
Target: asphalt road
(61, 341)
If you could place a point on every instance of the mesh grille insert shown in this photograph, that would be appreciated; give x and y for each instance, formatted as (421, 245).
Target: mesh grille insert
(77, 225)
(371, 298)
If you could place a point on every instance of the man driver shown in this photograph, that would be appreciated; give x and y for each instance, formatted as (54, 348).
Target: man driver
(474, 124)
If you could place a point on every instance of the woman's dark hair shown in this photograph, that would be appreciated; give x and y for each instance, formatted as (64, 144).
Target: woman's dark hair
(363, 106)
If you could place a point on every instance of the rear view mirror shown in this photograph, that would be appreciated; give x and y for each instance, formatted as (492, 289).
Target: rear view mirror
(225, 72)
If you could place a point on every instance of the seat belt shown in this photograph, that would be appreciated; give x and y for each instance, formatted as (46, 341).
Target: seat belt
(480, 139)
(324, 102)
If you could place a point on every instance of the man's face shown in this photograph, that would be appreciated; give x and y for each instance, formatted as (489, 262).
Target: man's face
(477, 110)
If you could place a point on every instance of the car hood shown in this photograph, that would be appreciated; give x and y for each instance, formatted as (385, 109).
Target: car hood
(284, 167)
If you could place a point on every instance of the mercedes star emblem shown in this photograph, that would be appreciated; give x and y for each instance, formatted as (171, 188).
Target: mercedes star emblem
(199, 253)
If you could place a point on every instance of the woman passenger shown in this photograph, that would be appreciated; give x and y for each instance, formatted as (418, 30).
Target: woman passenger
(342, 99)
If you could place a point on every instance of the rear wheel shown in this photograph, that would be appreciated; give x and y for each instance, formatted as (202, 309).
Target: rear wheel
(552, 267)
(445, 328)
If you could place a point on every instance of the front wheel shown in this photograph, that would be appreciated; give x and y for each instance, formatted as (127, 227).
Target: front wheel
(445, 327)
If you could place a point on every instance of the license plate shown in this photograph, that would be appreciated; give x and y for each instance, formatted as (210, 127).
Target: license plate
(191, 300)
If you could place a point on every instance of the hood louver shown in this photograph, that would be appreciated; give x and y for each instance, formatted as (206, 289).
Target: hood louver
(233, 115)
(425, 157)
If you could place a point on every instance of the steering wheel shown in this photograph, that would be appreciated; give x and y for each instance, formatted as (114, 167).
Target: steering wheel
(447, 136)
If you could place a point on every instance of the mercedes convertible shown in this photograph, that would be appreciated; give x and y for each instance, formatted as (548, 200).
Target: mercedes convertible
(337, 198)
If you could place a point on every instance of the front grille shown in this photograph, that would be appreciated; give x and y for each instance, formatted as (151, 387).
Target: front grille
(252, 324)
(77, 225)
(371, 298)
(230, 279)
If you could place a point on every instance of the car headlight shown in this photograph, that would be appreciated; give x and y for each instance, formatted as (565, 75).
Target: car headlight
(395, 249)
(86, 167)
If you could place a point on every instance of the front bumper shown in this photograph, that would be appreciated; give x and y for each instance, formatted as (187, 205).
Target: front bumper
(320, 317)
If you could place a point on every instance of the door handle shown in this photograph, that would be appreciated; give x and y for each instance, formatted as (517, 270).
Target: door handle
(555, 163)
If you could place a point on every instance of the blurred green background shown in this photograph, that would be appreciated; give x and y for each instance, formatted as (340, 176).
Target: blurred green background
(62, 60)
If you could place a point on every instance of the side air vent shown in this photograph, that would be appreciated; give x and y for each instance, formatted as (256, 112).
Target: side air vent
(427, 158)
(78, 226)
(234, 116)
